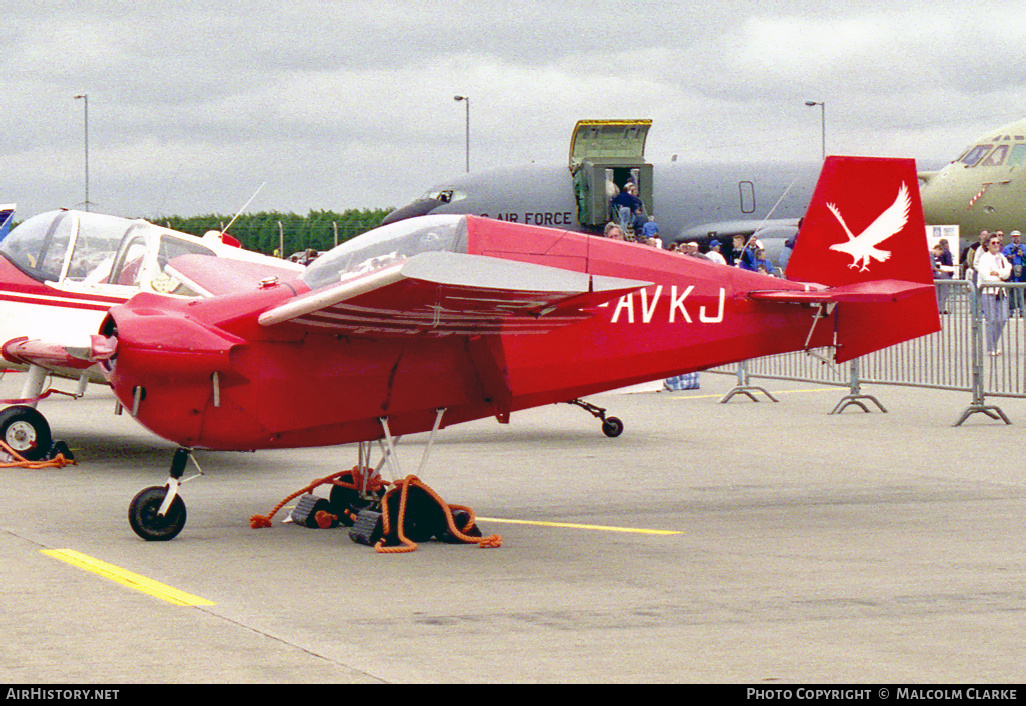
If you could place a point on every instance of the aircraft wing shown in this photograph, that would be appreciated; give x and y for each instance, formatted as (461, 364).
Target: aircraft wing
(872, 292)
(442, 293)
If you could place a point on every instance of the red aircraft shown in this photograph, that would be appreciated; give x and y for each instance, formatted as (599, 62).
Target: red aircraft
(438, 320)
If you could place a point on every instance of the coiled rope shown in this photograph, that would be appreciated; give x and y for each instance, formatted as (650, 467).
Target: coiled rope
(324, 519)
(376, 484)
(58, 461)
(408, 545)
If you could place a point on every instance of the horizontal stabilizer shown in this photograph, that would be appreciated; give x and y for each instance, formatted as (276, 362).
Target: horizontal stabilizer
(872, 292)
(444, 293)
(50, 356)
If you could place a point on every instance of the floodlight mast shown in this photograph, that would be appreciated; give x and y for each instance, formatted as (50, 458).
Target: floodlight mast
(822, 118)
(85, 98)
(467, 100)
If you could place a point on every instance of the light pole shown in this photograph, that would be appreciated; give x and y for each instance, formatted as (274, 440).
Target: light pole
(85, 98)
(467, 99)
(822, 120)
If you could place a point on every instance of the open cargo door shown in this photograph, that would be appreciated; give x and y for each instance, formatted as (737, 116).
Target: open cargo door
(604, 155)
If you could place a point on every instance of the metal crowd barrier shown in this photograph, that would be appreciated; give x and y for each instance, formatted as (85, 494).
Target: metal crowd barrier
(955, 358)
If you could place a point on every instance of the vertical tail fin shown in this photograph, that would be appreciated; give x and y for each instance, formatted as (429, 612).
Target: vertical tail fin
(865, 222)
(864, 232)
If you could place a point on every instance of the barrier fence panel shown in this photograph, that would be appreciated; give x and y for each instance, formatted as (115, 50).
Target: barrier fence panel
(942, 360)
(1003, 374)
(979, 349)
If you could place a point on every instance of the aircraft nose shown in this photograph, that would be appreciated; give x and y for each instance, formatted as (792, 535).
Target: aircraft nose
(420, 207)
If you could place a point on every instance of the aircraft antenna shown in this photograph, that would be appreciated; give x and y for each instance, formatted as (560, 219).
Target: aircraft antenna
(246, 205)
(768, 215)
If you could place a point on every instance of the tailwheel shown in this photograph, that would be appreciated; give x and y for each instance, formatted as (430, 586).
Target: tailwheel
(145, 518)
(612, 427)
(26, 431)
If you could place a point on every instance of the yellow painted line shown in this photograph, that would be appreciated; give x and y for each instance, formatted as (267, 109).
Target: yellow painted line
(572, 525)
(126, 578)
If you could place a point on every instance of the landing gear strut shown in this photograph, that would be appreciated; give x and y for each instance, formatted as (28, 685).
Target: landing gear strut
(611, 426)
(157, 513)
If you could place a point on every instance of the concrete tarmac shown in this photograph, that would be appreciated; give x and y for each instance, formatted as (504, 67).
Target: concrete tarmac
(802, 547)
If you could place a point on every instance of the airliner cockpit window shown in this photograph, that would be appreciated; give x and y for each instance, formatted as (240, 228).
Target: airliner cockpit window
(996, 158)
(388, 245)
(1017, 156)
(973, 156)
(447, 195)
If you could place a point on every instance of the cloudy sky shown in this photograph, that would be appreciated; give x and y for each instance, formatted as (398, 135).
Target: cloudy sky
(335, 105)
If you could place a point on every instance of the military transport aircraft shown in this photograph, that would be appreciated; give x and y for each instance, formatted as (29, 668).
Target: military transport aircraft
(689, 201)
(983, 188)
(442, 319)
(59, 274)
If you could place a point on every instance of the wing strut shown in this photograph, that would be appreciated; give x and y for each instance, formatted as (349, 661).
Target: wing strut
(389, 452)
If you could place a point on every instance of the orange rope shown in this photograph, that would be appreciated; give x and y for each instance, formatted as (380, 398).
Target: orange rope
(374, 484)
(58, 461)
(325, 519)
(406, 544)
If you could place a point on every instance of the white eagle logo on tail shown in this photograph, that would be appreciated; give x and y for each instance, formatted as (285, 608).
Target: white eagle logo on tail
(863, 248)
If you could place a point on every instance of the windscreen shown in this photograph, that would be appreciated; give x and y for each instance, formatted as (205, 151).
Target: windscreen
(388, 245)
(39, 245)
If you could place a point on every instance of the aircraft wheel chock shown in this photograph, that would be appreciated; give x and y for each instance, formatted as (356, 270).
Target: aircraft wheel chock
(612, 427)
(26, 431)
(143, 517)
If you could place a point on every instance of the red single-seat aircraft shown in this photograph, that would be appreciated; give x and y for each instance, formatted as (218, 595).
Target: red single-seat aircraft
(433, 321)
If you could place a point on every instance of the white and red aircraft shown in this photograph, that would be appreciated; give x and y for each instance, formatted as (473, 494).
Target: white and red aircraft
(60, 272)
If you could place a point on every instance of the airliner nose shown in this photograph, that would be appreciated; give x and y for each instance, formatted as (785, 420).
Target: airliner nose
(420, 207)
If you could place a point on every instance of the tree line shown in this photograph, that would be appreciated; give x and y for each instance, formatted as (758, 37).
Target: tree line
(260, 232)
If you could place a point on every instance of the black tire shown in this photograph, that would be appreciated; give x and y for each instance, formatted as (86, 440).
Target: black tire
(460, 518)
(424, 518)
(143, 517)
(612, 427)
(342, 499)
(26, 431)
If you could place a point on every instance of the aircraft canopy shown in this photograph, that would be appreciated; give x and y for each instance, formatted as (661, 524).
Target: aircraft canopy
(388, 245)
(77, 247)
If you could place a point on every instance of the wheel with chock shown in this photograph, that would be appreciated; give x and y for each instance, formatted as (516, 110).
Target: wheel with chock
(423, 519)
(26, 431)
(147, 523)
(612, 427)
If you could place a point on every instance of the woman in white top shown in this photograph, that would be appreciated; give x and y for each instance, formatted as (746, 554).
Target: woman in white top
(992, 268)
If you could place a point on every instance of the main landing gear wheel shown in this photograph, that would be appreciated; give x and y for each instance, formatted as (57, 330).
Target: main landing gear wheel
(612, 427)
(145, 519)
(26, 431)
